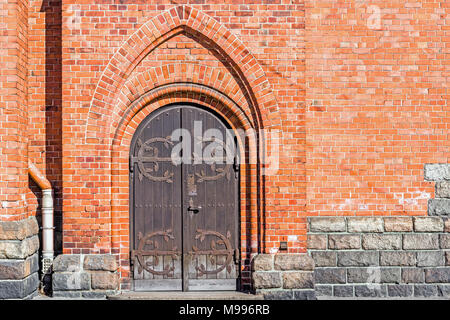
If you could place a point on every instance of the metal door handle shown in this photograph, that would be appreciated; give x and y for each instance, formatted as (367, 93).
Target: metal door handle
(194, 209)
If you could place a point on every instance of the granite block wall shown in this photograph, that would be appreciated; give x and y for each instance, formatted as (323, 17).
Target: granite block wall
(19, 259)
(91, 276)
(380, 256)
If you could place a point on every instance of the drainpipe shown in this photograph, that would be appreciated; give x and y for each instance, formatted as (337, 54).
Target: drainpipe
(47, 216)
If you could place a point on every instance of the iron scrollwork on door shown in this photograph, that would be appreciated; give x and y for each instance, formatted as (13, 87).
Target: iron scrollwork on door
(218, 172)
(150, 240)
(149, 154)
(227, 250)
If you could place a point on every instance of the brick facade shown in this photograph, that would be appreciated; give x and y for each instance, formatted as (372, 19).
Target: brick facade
(357, 89)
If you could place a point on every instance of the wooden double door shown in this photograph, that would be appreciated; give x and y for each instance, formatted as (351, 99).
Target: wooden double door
(184, 202)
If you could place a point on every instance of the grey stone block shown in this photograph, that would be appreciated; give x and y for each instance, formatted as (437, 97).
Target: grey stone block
(442, 189)
(397, 258)
(267, 280)
(444, 290)
(444, 241)
(67, 294)
(365, 224)
(425, 290)
(278, 295)
(398, 224)
(30, 284)
(373, 275)
(437, 275)
(18, 269)
(32, 264)
(293, 262)
(357, 275)
(439, 207)
(344, 241)
(324, 258)
(95, 294)
(430, 258)
(18, 230)
(67, 262)
(413, 275)
(19, 289)
(329, 275)
(104, 281)
(447, 258)
(100, 262)
(381, 241)
(370, 291)
(262, 262)
(327, 224)
(19, 249)
(423, 241)
(317, 241)
(324, 290)
(390, 275)
(11, 289)
(437, 171)
(357, 258)
(298, 280)
(428, 224)
(343, 291)
(446, 224)
(304, 295)
(400, 290)
(71, 281)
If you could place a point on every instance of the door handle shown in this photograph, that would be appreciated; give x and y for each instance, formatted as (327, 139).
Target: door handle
(194, 209)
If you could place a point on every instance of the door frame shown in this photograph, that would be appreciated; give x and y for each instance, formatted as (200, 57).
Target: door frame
(131, 176)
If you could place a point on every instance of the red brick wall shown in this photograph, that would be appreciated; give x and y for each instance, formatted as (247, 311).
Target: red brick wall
(358, 89)
(377, 104)
(44, 103)
(13, 109)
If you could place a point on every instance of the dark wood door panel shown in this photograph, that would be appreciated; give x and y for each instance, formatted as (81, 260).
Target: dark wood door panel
(211, 231)
(157, 205)
(184, 216)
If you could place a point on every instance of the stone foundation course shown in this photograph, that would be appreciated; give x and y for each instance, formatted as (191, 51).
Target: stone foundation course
(284, 276)
(85, 276)
(380, 256)
(19, 259)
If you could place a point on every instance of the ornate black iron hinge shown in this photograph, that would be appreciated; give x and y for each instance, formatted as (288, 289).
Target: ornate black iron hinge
(131, 163)
(132, 262)
(236, 167)
(237, 256)
(236, 161)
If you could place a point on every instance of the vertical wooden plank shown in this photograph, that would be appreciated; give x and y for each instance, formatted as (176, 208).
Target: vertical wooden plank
(220, 262)
(177, 209)
(158, 203)
(177, 273)
(185, 263)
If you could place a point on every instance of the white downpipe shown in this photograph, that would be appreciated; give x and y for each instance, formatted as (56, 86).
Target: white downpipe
(47, 217)
(47, 229)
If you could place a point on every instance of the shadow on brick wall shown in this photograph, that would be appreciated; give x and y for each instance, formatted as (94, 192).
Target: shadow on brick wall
(53, 107)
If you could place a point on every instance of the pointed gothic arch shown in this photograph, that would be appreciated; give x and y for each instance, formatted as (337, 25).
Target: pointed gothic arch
(193, 23)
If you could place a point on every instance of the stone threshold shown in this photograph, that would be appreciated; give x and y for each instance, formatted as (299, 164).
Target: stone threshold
(177, 295)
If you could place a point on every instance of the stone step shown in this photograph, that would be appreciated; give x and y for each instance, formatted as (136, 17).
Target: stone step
(177, 295)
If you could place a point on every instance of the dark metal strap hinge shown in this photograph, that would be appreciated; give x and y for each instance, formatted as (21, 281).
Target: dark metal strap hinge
(237, 256)
(132, 161)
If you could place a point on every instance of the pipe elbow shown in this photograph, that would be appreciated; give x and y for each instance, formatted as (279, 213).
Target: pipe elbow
(38, 177)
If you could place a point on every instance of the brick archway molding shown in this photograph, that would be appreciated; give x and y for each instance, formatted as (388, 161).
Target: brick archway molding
(203, 29)
(135, 114)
